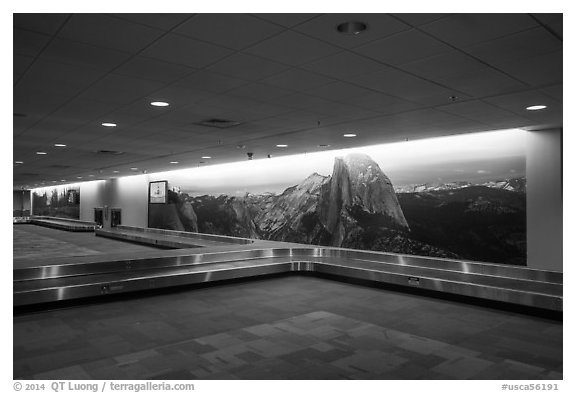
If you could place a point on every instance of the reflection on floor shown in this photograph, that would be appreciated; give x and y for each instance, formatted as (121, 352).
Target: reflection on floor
(32, 242)
(292, 327)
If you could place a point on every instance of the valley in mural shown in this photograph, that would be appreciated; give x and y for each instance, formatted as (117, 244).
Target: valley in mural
(57, 202)
(358, 207)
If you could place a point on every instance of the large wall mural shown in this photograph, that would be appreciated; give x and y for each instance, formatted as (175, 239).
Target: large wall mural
(458, 197)
(61, 201)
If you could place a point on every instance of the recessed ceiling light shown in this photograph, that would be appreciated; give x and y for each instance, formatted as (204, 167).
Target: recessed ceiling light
(59, 145)
(159, 103)
(115, 171)
(109, 124)
(349, 135)
(536, 107)
(174, 162)
(63, 180)
(18, 162)
(351, 27)
(206, 157)
(78, 177)
(90, 175)
(134, 169)
(41, 153)
(281, 145)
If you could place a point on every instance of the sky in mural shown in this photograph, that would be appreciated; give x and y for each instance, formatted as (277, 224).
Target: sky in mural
(475, 158)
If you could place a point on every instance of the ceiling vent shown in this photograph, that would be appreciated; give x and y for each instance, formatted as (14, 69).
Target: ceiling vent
(219, 123)
(109, 152)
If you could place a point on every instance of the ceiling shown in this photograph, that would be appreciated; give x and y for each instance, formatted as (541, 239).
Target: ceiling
(288, 79)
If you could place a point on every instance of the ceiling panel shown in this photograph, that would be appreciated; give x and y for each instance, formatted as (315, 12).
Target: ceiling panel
(53, 127)
(392, 49)
(444, 65)
(229, 30)
(517, 102)
(84, 110)
(48, 76)
(37, 105)
(177, 95)
(340, 111)
(120, 89)
(192, 114)
(537, 71)
(479, 111)
(297, 79)
(417, 19)
(211, 81)
(380, 102)
(109, 32)
(555, 91)
(286, 20)
(399, 84)
(21, 63)
(552, 21)
(482, 82)
(40, 23)
(259, 91)
(186, 51)
(467, 29)
(292, 48)
(28, 43)
(298, 101)
(516, 47)
(153, 69)
(162, 21)
(338, 91)
(86, 55)
(247, 67)
(343, 65)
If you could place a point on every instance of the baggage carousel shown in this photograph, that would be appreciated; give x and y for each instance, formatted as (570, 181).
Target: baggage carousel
(201, 258)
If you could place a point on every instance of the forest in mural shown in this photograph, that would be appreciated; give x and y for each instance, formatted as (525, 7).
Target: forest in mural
(469, 213)
(60, 201)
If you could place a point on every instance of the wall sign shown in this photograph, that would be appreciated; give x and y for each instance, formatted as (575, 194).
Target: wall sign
(158, 192)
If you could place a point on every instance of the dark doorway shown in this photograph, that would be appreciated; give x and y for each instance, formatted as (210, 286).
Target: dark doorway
(99, 216)
(116, 217)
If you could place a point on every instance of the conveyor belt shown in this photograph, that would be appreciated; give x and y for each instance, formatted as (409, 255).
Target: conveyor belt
(504, 283)
(168, 238)
(66, 225)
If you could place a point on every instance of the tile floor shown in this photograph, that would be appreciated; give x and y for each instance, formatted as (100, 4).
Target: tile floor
(291, 327)
(33, 242)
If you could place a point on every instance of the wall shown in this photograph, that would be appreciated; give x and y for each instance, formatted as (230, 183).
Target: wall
(544, 199)
(91, 196)
(131, 195)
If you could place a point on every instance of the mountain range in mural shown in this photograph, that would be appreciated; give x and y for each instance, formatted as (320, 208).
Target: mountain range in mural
(358, 207)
